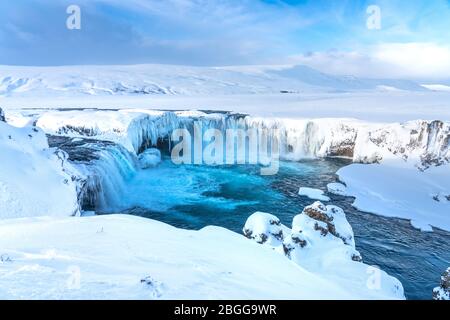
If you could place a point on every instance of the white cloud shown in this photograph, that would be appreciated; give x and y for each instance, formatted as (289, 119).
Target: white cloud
(389, 60)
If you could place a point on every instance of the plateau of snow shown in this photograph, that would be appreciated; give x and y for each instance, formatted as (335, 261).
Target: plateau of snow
(266, 91)
(176, 80)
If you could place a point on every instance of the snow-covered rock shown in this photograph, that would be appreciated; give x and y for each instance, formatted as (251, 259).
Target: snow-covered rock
(264, 228)
(314, 194)
(321, 240)
(35, 180)
(127, 257)
(443, 291)
(149, 158)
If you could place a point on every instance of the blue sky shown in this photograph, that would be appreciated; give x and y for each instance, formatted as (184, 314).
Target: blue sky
(327, 34)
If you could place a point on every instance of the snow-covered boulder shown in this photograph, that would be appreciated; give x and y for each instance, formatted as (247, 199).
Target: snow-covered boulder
(321, 240)
(443, 291)
(264, 228)
(324, 226)
(35, 180)
(149, 158)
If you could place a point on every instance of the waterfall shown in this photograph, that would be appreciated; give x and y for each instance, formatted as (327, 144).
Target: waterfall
(105, 167)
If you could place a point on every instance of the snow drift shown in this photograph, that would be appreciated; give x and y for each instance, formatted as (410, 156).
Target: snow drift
(35, 180)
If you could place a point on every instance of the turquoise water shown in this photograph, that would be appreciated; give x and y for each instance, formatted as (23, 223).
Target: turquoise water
(192, 197)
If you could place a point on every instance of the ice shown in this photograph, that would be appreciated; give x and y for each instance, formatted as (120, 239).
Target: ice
(315, 194)
(149, 158)
(337, 188)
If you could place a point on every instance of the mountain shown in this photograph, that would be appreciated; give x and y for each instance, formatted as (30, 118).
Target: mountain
(181, 80)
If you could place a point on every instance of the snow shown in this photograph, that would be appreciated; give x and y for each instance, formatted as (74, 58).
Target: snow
(179, 80)
(149, 158)
(315, 194)
(398, 189)
(264, 228)
(401, 170)
(321, 241)
(136, 258)
(35, 180)
(337, 188)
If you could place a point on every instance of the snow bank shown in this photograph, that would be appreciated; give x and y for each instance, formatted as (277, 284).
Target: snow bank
(398, 189)
(321, 241)
(314, 194)
(136, 258)
(443, 291)
(35, 180)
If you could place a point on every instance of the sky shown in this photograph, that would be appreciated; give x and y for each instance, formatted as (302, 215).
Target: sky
(412, 41)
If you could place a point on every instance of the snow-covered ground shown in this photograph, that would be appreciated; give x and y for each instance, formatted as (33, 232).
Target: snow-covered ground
(34, 179)
(398, 189)
(181, 80)
(126, 257)
(268, 91)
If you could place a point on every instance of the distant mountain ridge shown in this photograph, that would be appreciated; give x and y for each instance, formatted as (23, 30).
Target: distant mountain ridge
(182, 80)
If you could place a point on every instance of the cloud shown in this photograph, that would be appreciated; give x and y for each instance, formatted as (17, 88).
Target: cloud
(232, 32)
(196, 32)
(388, 60)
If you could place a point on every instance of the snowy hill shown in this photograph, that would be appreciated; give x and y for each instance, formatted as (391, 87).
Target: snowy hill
(140, 80)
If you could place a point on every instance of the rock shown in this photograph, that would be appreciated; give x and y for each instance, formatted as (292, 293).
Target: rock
(264, 228)
(329, 219)
(149, 158)
(443, 291)
(320, 227)
(2, 115)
